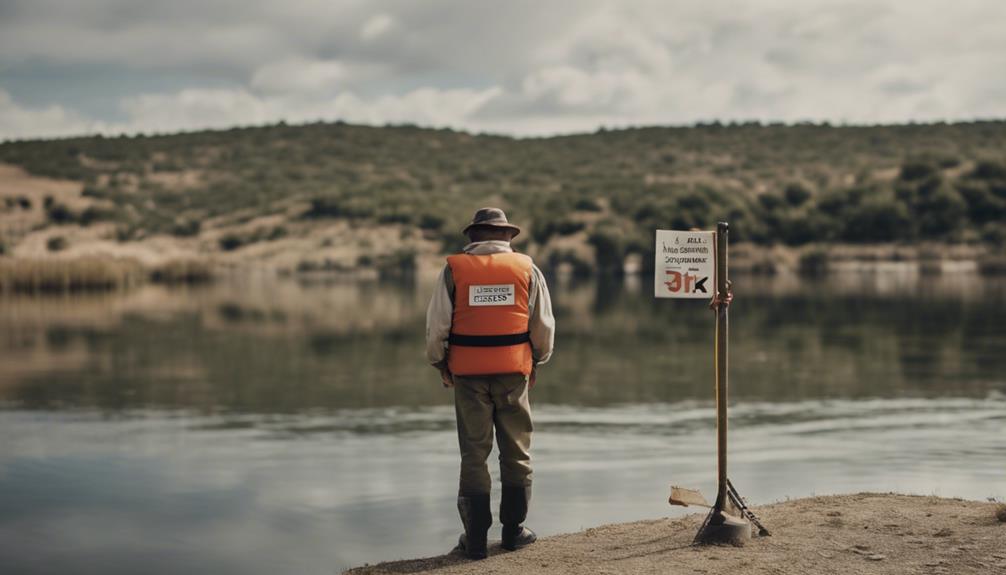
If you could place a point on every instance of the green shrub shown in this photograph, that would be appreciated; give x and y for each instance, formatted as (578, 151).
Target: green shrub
(542, 230)
(803, 228)
(308, 266)
(609, 249)
(428, 221)
(182, 272)
(764, 267)
(878, 219)
(580, 267)
(127, 233)
(324, 208)
(771, 201)
(917, 170)
(401, 263)
(56, 243)
(993, 265)
(989, 170)
(566, 227)
(835, 202)
(796, 195)
(395, 216)
(949, 162)
(940, 213)
(186, 228)
(93, 214)
(452, 242)
(813, 262)
(353, 208)
(231, 241)
(58, 213)
(994, 233)
(90, 191)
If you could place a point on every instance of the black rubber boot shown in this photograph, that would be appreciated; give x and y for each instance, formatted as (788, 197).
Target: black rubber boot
(513, 512)
(477, 517)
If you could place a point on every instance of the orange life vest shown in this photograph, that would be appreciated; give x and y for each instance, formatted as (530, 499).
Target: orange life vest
(489, 332)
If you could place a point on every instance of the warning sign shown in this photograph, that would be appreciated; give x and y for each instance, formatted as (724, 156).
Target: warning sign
(686, 264)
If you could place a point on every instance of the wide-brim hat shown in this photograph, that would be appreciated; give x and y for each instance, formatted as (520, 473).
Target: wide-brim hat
(491, 218)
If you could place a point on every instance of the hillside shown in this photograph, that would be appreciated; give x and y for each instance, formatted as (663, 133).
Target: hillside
(339, 196)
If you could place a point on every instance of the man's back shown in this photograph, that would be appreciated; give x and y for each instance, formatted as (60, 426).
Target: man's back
(489, 325)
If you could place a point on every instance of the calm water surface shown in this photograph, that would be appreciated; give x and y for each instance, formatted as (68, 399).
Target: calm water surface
(263, 424)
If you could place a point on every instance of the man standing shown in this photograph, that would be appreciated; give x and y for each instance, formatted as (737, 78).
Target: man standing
(489, 325)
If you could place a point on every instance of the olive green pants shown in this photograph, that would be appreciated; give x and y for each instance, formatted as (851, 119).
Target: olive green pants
(484, 402)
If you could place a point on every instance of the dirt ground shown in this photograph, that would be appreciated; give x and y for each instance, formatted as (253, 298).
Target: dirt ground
(867, 533)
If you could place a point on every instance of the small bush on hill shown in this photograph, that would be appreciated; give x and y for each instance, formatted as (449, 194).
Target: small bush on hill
(230, 242)
(796, 195)
(186, 228)
(58, 213)
(56, 243)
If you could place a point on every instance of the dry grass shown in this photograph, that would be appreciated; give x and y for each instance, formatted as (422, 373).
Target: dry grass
(1001, 512)
(58, 275)
(95, 274)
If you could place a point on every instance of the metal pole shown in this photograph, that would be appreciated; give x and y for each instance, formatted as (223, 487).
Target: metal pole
(722, 327)
(723, 526)
(719, 525)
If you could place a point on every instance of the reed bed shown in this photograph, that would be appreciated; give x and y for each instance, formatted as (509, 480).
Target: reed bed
(93, 274)
(69, 275)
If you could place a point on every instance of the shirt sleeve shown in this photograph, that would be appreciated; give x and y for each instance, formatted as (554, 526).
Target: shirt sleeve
(438, 320)
(541, 324)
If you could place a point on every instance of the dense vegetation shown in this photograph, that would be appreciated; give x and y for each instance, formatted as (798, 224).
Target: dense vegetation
(794, 185)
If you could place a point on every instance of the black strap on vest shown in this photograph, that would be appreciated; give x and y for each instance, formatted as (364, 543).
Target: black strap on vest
(489, 340)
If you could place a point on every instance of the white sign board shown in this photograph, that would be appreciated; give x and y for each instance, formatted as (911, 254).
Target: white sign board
(686, 264)
(499, 294)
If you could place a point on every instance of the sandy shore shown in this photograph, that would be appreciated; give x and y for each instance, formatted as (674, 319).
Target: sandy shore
(866, 533)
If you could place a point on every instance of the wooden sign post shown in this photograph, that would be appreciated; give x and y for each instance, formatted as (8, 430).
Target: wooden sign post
(685, 271)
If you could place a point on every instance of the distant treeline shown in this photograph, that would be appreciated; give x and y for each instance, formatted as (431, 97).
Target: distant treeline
(789, 184)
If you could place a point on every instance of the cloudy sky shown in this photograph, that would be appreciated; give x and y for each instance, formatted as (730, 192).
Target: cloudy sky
(510, 66)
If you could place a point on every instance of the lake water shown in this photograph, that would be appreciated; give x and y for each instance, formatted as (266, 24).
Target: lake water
(266, 425)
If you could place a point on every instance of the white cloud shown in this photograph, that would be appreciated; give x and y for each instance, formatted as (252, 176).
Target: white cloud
(51, 121)
(299, 75)
(425, 106)
(573, 88)
(376, 26)
(197, 108)
(194, 109)
(520, 67)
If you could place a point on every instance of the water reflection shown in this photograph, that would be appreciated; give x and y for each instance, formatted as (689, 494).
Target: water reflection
(268, 345)
(264, 425)
(172, 492)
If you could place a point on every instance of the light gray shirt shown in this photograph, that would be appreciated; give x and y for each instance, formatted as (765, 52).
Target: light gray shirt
(440, 313)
